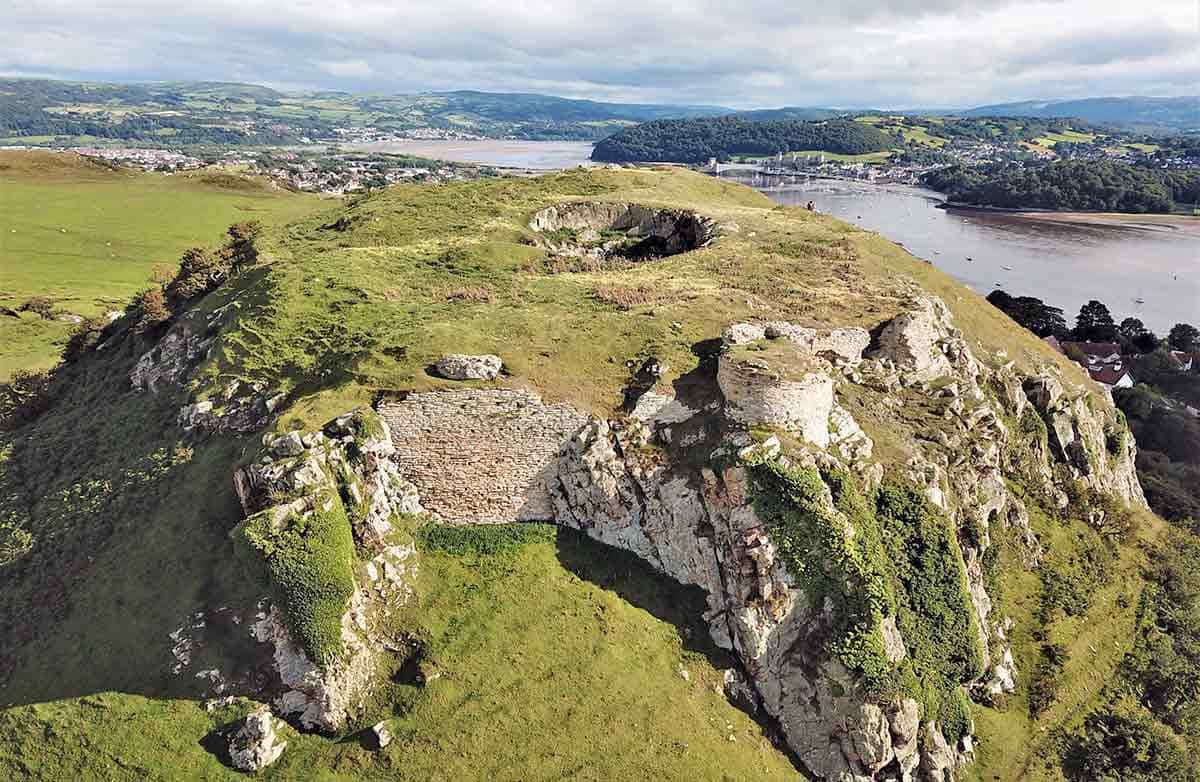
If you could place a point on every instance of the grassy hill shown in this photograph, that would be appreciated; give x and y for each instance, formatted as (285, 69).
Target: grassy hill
(555, 657)
(88, 237)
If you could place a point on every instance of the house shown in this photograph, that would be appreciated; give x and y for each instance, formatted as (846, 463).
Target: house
(1097, 352)
(1111, 375)
(1185, 361)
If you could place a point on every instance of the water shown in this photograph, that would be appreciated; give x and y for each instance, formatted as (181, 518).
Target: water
(535, 155)
(1063, 263)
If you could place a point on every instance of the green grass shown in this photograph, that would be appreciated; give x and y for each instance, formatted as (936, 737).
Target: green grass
(545, 635)
(89, 237)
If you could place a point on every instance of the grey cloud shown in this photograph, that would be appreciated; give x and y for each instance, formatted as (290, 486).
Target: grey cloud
(757, 52)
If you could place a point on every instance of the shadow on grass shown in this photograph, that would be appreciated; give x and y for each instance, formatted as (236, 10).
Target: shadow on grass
(641, 585)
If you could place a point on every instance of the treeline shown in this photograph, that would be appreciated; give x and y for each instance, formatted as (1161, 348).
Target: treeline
(1074, 185)
(697, 140)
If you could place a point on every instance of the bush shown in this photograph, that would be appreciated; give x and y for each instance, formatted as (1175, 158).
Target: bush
(25, 397)
(83, 338)
(150, 310)
(309, 564)
(1045, 678)
(14, 543)
(1123, 743)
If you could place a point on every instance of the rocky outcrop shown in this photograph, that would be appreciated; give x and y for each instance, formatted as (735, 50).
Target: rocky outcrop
(1088, 437)
(700, 527)
(668, 481)
(254, 743)
(168, 363)
(460, 367)
(350, 458)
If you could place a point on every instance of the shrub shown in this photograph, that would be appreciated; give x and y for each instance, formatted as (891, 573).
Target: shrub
(25, 397)
(200, 271)
(1045, 678)
(936, 617)
(309, 564)
(83, 338)
(1124, 743)
(150, 310)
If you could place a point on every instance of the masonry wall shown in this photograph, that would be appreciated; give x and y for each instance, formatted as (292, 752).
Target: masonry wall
(480, 456)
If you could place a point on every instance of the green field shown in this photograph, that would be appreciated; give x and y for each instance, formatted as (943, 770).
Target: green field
(89, 237)
(551, 636)
(1073, 136)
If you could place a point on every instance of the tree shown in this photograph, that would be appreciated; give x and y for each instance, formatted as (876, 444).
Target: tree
(1094, 323)
(1135, 337)
(1185, 337)
(1033, 314)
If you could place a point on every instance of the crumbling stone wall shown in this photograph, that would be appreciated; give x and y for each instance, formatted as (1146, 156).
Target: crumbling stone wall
(480, 456)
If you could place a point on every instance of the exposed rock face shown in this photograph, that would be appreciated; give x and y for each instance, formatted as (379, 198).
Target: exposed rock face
(460, 367)
(254, 744)
(915, 341)
(1093, 443)
(169, 366)
(167, 363)
(350, 458)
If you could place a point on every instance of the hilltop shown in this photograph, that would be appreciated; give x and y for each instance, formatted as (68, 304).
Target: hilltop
(607, 474)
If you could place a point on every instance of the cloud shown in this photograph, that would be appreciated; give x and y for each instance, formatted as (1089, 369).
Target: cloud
(348, 69)
(886, 53)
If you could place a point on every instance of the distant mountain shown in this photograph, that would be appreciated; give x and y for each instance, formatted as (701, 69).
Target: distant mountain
(43, 111)
(807, 113)
(529, 107)
(1174, 114)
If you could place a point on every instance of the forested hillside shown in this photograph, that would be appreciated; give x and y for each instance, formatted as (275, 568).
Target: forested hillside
(1075, 185)
(697, 140)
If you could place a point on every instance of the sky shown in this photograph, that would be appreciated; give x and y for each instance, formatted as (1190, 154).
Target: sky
(752, 53)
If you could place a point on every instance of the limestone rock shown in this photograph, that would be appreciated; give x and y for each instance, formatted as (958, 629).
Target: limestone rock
(168, 362)
(254, 744)
(872, 738)
(286, 445)
(743, 333)
(380, 735)
(461, 367)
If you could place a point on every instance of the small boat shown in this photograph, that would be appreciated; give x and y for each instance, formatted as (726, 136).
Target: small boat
(1006, 268)
(969, 258)
(1139, 300)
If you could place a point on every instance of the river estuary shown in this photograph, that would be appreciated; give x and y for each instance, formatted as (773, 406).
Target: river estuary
(1063, 260)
